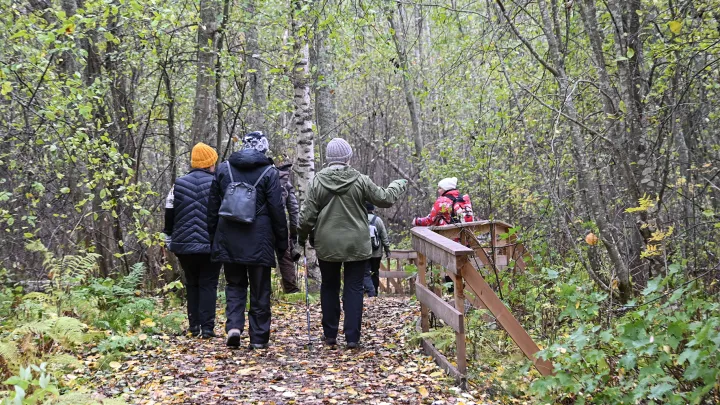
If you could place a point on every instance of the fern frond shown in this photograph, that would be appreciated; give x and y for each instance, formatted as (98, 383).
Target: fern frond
(62, 362)
(8, 352)
(38, 297)
(38, 327)
(67, 331)
(134, 279)
(79, 266)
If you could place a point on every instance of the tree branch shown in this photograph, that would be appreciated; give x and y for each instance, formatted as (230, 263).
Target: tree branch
(527, 44)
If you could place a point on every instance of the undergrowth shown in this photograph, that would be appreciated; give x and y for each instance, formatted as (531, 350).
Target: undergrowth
(43, 335)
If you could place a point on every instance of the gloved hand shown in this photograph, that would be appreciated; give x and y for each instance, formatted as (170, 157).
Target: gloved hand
(167, 241)
(387, 253)
(294, 238)
(403, 182)
(414, 222)
(297, 252)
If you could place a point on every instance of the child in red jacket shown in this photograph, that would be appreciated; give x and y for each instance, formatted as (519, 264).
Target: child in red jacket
(449, 207)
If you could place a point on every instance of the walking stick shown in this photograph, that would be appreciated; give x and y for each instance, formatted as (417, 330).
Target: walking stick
(307, 301)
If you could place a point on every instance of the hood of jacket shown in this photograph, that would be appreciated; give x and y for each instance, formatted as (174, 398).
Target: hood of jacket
(451, 193)
(248, 159)
(338, 179)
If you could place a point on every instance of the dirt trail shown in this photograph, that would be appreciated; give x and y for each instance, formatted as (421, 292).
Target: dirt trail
(386, 370)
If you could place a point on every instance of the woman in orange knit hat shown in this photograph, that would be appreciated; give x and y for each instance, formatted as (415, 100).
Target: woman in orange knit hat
(188, 237)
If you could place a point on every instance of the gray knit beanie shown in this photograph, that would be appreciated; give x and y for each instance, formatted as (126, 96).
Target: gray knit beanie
(338, 151)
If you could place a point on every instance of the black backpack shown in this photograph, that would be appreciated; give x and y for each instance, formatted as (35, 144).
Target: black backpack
(240, 201)
(374, 234)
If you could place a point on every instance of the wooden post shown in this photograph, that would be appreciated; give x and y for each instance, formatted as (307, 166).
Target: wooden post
(424, 313)
(460, 337)
(411, 281)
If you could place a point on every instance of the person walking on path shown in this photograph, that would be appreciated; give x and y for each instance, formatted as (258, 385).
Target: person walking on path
(286, 265)
(334, 212)
(248, 250)
(187, 235)
(383, 243)
(449, 208)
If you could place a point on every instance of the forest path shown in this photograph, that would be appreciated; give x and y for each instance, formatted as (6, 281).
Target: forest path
(387, 369)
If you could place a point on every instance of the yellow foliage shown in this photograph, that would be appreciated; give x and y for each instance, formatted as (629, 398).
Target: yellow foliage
(659, 235)
(645, 203)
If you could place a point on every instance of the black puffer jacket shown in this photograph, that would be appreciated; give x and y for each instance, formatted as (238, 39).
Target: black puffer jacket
(250, 244)
(188, 226)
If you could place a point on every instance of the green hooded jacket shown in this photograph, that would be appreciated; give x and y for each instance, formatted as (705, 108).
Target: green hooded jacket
(335, 211)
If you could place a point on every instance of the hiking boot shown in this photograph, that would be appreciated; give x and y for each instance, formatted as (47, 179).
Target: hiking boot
(329, 341)
(192, 331)
(293, 291)
(353, 345)
(258, 346)
(233, 338)
(208, 334)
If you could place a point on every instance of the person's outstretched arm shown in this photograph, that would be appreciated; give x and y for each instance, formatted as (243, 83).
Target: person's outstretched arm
(384, 197)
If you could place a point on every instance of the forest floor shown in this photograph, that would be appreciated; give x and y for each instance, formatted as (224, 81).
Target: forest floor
(387, 369)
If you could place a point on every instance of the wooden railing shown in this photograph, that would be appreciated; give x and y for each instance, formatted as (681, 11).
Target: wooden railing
(391, 281)
(456, 259)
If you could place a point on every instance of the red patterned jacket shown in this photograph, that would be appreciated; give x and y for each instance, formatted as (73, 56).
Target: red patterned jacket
(442, 210)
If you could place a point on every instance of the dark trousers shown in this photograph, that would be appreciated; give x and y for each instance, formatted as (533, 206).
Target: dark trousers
(238, 278)
(286, 267)
(201, 277)
(353, 275)
(375, 272)
(368, 283)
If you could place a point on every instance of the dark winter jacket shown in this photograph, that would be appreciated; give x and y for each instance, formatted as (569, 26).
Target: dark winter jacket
(186, 219)
(251, 244)
(289, 199)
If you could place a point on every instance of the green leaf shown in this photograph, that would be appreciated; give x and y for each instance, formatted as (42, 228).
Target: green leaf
(689, 355)
(675, 27)
(658, 391)
(65, 190)
(6, 88)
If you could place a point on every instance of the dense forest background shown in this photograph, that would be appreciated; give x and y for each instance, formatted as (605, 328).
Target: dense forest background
(590, 125)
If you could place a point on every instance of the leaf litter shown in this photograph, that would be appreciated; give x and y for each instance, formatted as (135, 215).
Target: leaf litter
(387, 369)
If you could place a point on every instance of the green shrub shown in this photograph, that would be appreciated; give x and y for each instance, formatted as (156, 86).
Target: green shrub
(661, 349)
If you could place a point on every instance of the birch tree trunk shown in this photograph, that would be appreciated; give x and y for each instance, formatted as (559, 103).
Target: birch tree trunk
(325, 110)
(305, 145)
(256, 79)
(203, 124)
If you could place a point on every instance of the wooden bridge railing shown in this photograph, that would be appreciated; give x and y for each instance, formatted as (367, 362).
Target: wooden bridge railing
(393, 279)
(455, 258)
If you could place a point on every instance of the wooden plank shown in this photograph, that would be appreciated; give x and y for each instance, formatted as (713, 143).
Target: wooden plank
(442, 242)
(395, 274)
(485, 293)
(440, 249)
(460, 336)
(442, 309)
(442, 361)
(397, 285)
(424, 311)
(403, 254)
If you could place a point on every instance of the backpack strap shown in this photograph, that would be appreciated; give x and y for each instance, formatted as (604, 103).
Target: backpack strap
(262, 175)
(230, 171)
(372, 221)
